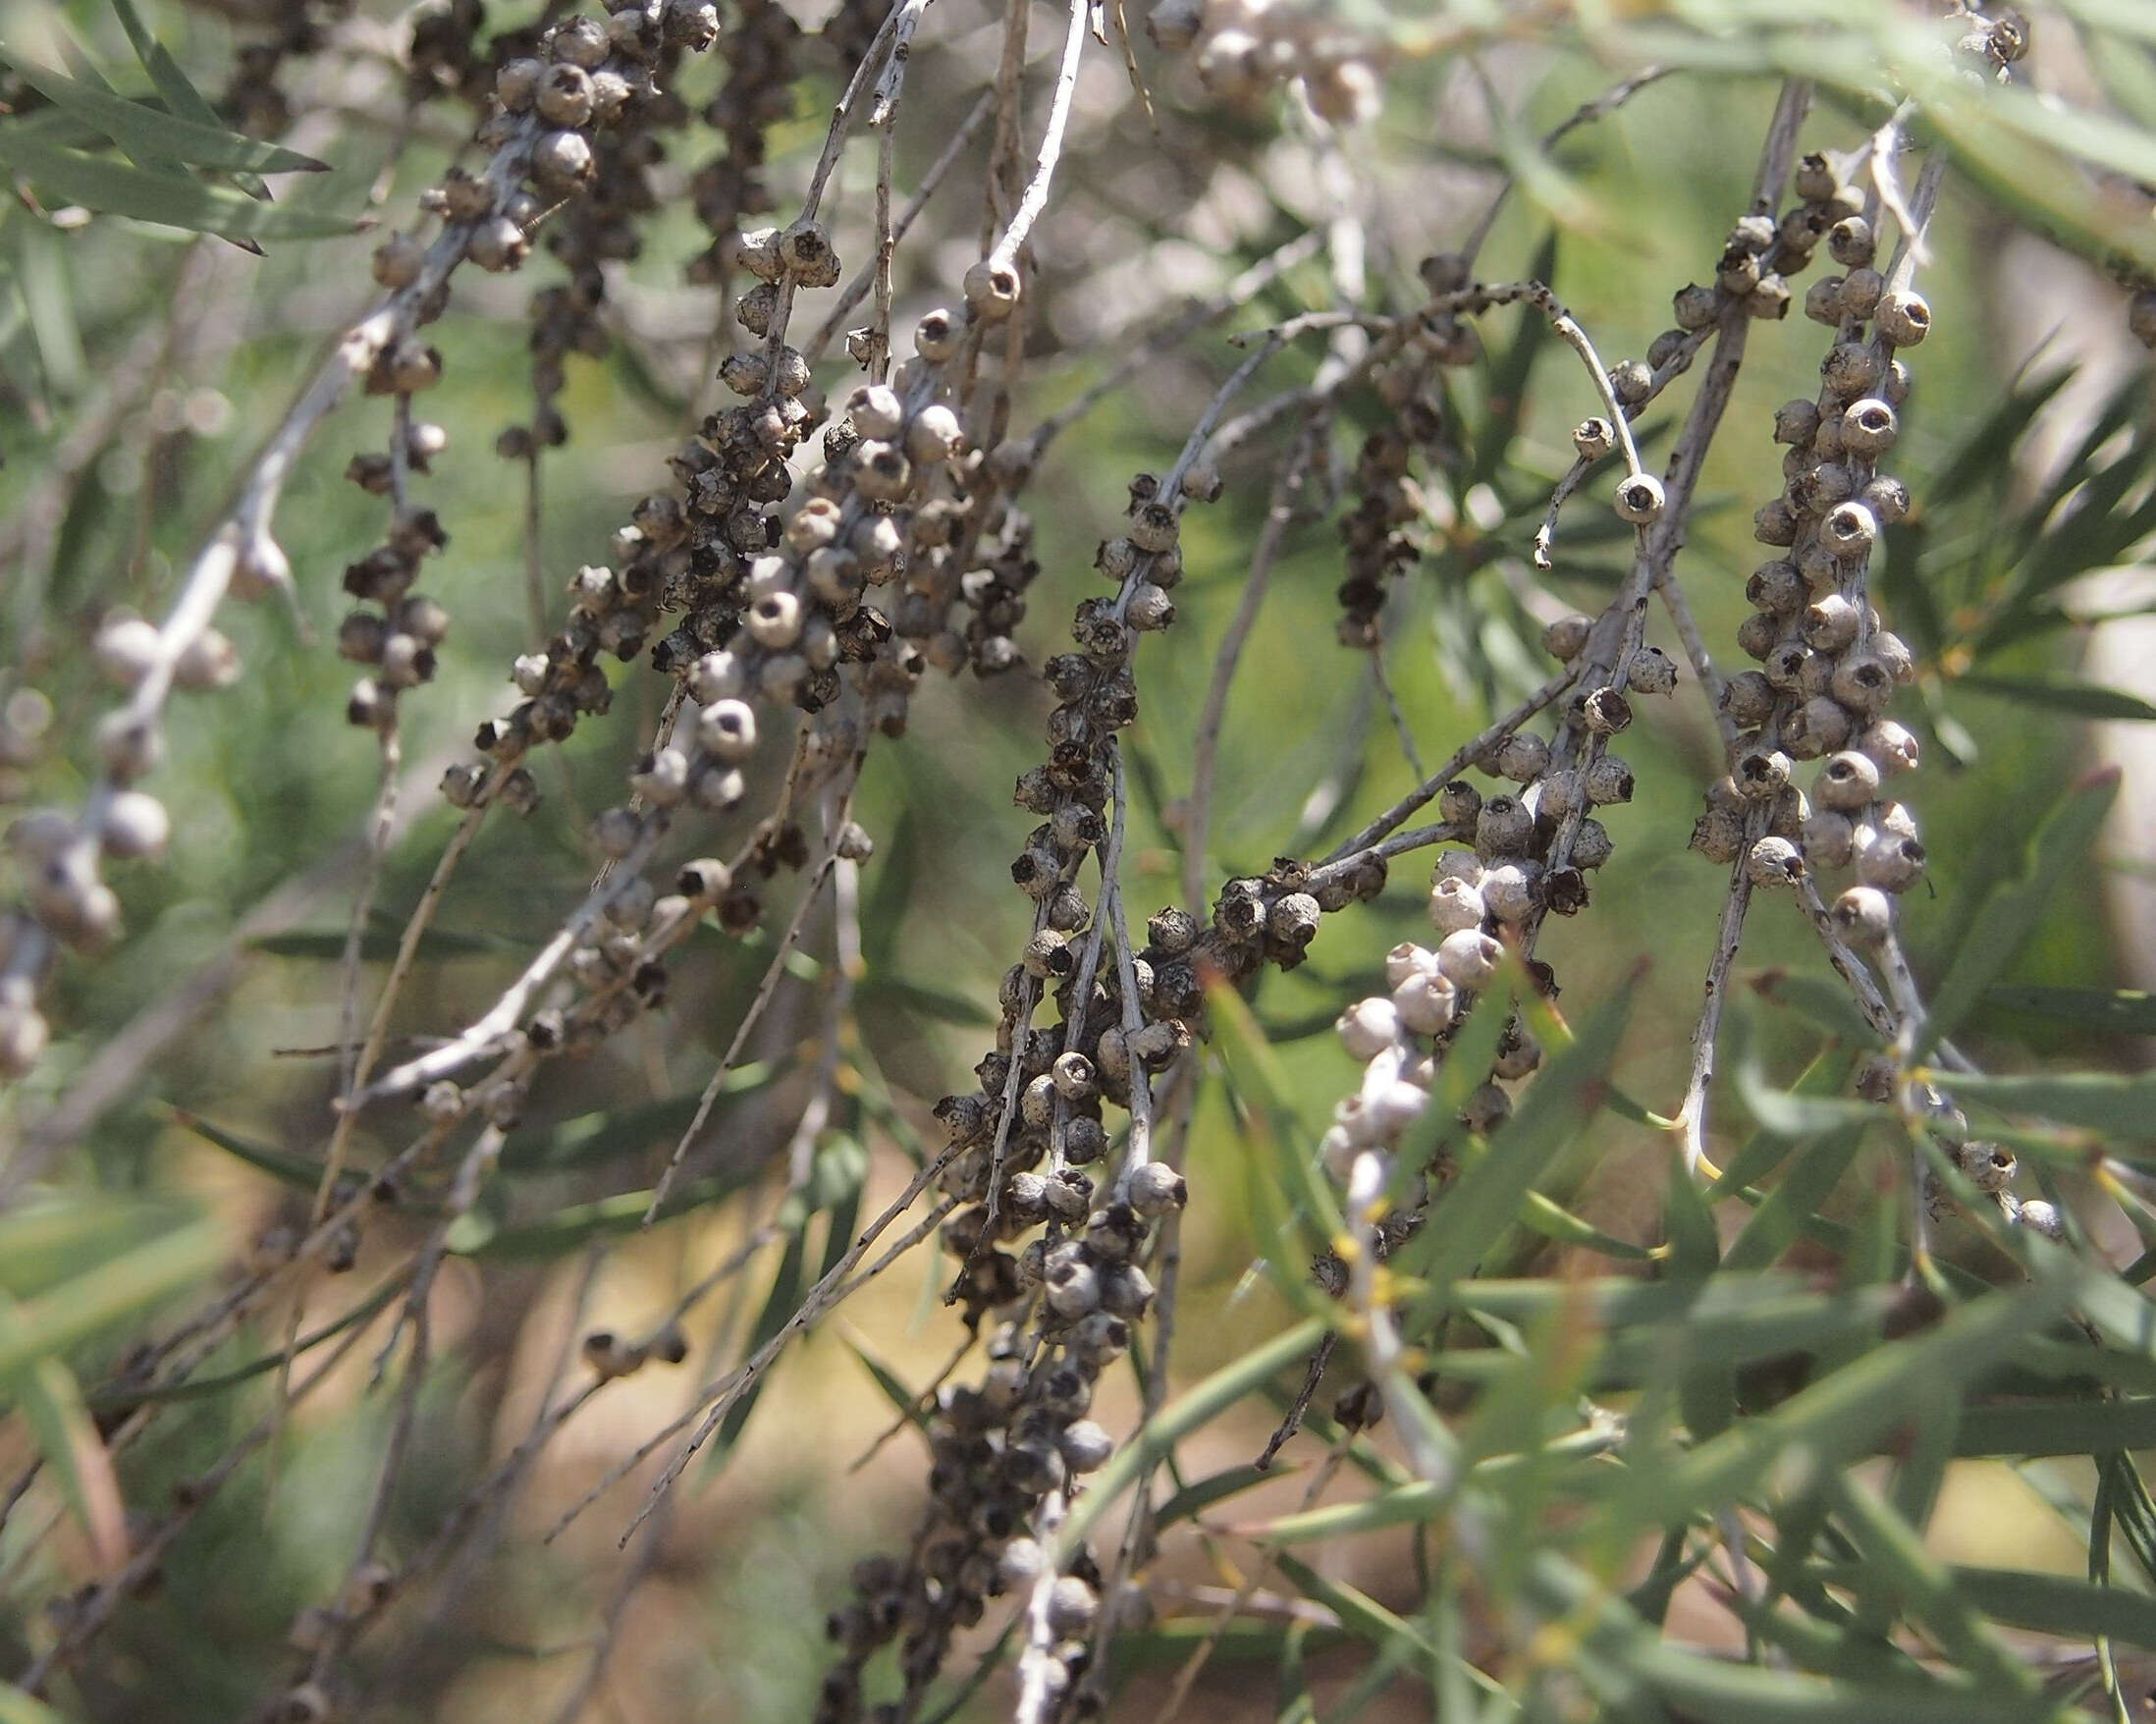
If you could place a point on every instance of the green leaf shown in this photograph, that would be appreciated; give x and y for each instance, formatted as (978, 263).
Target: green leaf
(2012, 912)
(1507, 382)
(181, 96)
(50, 1401)
(2027, 1429)
(938, 1004)
(1558, 1224)
(611, 1133)
(1849, 1411)
(378, 945)
(70, 1312)
(2120, 1108)
(1620, 1647)
(41, 276)
(150, 133)
(1196, 1406)
(50, 1239)
(2055, 1604)
(481, 1235)
(1194, 1500)
(1358, 1612)
(167, 199)
(2129, 1010)
(789, 1285)
(2084, 700)
(1985, 455)
(202, 1387)
(1821, 1002)
(302, 1171)
(1484, 1200)
(904, 1401)
(1789, 1113)
(1895, 1561)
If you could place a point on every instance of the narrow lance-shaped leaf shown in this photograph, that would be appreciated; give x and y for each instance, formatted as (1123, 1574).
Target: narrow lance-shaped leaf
(167, 199)
(73, 1311)
(181, 96)
(2007, 919)
(1484, 1200)
(50, 1401)
(150, 133)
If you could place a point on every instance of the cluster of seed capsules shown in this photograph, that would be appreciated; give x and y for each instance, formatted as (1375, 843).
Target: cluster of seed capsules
(1024, 1150)
(253, 98)
(1244, 50)
(1483, 902)
(602, 226)
(1389, 501)
(759, 612)
(757, 94)
(593, 97)
(998, 1448)
(1828, 669)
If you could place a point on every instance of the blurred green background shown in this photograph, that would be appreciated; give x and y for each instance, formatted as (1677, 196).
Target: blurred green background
(267, 783)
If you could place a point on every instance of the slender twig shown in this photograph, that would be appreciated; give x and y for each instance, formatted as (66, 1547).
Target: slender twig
(875, 275)
(1035, 198)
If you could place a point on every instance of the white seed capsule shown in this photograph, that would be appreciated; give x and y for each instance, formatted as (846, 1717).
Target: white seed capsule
(1830, 623)
(1454, 905)
(1556, 796)
(498, 245)
(1774, 862)
(1989, 1167)
(1653, 672)
(1393, 1109)
(1870, 428)
(1368, 1028)
(1424, 1003)
(1638, 499)
(1890, 746)
(1591, 845)
(1902, 318)
(1458, 865)
(562, 161)
(126, 649)
(1846, 782)
(23, 1037)
(1593, 438)
(1891, 861)
(207, 662)
(135, 825)
(2040, 1216)
(1849, 530)
(1409, 960)
(1861, 290)
(1469, 957)
(662, 781)
(933, 435)
(130, 747)
(617, 830)
(715, 677)
(1862, 915)
(1762, 773)
(775, 621)
(1607, 780)
(992, 290)
(1510, 892)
